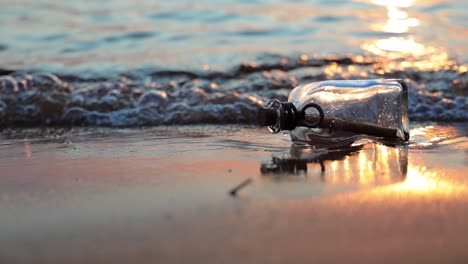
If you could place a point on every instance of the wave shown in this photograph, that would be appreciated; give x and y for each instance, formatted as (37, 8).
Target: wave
(144, 97)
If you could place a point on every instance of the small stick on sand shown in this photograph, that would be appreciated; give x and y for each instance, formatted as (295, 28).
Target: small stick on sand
(241, 185)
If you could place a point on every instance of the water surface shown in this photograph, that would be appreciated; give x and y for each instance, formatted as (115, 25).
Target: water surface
(111, 35)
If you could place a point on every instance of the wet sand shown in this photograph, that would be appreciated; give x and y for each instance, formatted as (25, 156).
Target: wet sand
(162, 195)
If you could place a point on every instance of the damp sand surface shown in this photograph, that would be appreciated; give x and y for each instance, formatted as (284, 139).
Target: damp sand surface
(161, 195)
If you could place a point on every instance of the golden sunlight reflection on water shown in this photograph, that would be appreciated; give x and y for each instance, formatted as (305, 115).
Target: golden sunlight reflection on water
(394, 3)
(429, 135)
(391, 163)
(420, 181)
(404, 45)
(423, 181)
(396, 171)
(360, 165)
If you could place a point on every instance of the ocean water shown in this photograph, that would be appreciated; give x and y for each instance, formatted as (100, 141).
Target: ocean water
(137, 63)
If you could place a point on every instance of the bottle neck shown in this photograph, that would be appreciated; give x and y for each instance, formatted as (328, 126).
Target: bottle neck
(285, 116)
(278, 116)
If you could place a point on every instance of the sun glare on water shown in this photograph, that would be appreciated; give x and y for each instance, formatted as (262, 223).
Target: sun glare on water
(394, 3)
(404, 45)
(421, 181)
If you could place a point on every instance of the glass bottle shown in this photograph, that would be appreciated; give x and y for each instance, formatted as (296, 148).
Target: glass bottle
(343, 110)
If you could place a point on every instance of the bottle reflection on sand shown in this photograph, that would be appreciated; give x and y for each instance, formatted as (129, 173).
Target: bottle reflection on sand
(356, 164)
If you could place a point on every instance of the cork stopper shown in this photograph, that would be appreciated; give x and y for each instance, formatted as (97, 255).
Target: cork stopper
(267, 116)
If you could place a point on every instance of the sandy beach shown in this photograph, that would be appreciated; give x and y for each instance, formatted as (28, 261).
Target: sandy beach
(162, 195)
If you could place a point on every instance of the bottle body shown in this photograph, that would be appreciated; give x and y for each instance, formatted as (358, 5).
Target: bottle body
(382, 103)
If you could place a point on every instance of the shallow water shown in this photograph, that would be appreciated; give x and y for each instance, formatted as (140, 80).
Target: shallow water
(162, 194)
(110, 35)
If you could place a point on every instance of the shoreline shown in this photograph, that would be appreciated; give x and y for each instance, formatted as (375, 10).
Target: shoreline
(164, 197)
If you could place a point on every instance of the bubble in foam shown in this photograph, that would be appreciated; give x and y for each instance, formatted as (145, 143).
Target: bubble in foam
(154, 98)
(45, 80)
(8, 85)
